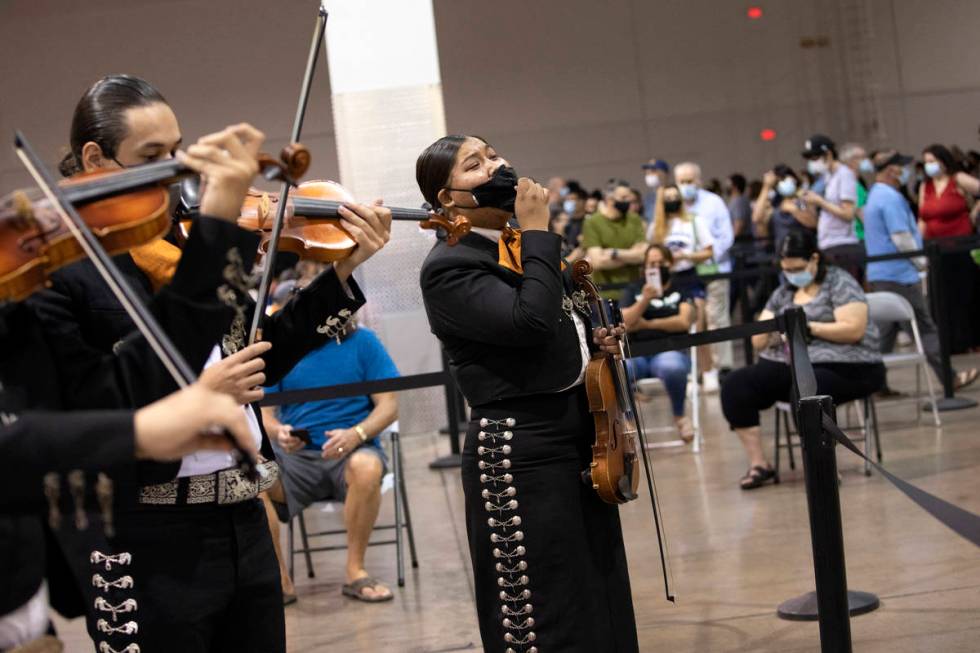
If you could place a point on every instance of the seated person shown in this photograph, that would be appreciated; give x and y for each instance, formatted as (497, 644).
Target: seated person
(343, 460)
(844, 348)
(652, 310)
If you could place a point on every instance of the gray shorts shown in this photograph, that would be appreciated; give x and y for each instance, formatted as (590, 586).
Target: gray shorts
(307, 477)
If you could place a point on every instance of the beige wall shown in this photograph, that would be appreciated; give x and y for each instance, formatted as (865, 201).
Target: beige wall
(585, 88)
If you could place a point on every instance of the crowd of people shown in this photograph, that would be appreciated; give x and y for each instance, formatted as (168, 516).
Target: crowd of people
(183, 541)
(660, 251)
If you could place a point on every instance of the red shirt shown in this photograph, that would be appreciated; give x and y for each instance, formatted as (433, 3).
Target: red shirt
(945, 215)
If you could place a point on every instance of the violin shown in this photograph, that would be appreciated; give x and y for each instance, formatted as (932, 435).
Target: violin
(91, 247)
(614, 470)
(313, 228)
(124, 209)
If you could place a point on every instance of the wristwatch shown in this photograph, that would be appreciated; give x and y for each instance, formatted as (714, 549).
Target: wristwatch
(360, 433)
(615, 254)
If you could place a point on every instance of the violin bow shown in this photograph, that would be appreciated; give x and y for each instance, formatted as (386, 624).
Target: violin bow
(270, 257)
(658, 519)
(147, 324)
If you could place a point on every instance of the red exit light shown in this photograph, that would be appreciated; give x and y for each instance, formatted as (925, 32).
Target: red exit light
(754, 13)
(767, 135)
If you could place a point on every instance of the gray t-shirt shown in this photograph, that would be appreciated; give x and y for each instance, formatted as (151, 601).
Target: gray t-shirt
(831, 230)
(837, 289)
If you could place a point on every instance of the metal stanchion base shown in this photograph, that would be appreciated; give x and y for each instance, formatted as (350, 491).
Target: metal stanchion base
(952, 403)
(447, 462)
(804, 608)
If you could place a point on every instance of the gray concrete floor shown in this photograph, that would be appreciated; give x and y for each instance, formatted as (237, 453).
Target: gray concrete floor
(736, 555)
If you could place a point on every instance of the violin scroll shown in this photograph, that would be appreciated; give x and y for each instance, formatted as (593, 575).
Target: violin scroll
(455, 228)
(293, 162)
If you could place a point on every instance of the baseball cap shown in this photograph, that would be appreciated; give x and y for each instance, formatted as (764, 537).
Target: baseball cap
(886, 158)
(817, 145)
(656, 164)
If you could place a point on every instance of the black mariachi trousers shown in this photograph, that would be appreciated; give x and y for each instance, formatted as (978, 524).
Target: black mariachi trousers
(548, 559)
(193, 579)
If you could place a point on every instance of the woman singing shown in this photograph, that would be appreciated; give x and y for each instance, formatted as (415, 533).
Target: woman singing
(548, 558)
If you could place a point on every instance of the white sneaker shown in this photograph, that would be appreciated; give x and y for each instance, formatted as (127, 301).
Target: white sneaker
(709, 382)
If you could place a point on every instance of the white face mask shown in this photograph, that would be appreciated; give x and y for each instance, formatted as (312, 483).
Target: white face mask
(866, 167)
(652, 180)
(932, 168)
(816, 167)
(787, 187)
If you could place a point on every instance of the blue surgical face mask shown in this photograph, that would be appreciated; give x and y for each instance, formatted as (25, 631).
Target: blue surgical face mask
(563, 191)
(905, 176)
(800, 279)
(568, 206)
(688, 191)
(786, 187)
(933, 168)
(866, 166)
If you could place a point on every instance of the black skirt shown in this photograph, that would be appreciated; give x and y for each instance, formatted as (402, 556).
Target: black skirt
(548, 559)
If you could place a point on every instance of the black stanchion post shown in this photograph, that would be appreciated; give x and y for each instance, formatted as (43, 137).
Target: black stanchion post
(938, 304)
(743, 300)
(452, 416)
(832, 604)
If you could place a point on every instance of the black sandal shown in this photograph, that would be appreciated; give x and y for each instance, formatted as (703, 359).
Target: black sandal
(757, 477)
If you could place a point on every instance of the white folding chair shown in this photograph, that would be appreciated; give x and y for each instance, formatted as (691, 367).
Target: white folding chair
(651, 387)
(886, 308)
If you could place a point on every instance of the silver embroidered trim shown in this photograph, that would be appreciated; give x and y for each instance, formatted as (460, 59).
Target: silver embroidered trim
(131, 648)
(499, 495)
(225, 487)
(334, 325)
(232, 293)
(578, 301)
(122, 583)
(129, 605)
(122, 559)
(128, 628)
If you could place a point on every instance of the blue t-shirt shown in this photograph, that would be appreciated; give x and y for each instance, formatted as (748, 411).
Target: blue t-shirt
(887, 213)
(359, 357)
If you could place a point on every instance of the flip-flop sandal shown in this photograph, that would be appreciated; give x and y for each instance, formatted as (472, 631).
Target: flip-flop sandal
(757, 477)
(963, 379)
(288, 599)
(356, 589)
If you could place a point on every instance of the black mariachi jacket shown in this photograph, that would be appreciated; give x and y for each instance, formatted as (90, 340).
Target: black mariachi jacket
(32, 443)
(87, 326)
(36, 374)
(506, 335)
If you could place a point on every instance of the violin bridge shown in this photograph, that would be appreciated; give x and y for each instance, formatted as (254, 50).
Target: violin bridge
(263, 210)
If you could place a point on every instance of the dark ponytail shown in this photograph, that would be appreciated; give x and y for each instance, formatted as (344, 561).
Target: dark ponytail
(434, 165)
(100, 116)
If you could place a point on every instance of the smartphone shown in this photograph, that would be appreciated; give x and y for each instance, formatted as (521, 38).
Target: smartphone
(653, 279)
(302, 434)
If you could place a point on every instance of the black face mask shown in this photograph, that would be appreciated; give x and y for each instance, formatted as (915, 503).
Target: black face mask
(622, 207)
(672, 207)
(497, 193)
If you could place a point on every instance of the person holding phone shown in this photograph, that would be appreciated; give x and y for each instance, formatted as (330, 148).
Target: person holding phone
(652, 309)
